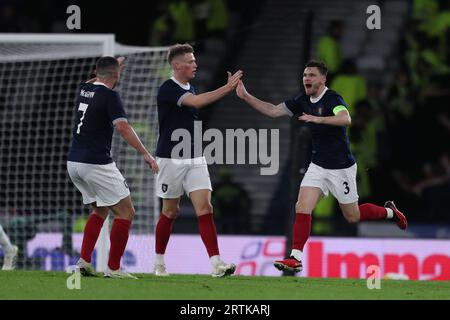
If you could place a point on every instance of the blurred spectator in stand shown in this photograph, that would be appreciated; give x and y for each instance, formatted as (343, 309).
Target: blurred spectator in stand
(433, 71)
(367, 125)
(162, 27)
(433, 19)
(424, 9)
(433, 188)
(232, 205)
(400, 97)
(436, 190)
(329, 48)
(376, 98)
(161, 34)
(434, 175)
(201, 10)
(218, 19)
(426, 47)
(180, 13)
(350, 85)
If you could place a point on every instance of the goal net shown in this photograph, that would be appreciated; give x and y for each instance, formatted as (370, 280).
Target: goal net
(40, 209)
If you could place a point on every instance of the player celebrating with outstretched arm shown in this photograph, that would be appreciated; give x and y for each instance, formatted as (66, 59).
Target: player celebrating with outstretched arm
(92, 169)
(332, 168)
(178, 107)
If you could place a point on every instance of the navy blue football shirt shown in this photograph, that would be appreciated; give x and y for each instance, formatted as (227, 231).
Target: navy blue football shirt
(98, 109)
(330, 144)
(173, 115)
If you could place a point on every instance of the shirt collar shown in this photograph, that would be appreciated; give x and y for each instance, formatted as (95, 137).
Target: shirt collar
(98, 83)
(184, 86)
(314, 100)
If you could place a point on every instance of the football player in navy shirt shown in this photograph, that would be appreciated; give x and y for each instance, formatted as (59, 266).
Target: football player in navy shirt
(332, 168)
(93, 171)
(178, 106)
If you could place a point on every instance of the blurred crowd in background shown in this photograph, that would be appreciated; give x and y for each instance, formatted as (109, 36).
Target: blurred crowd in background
(156, 23)
(400, 131)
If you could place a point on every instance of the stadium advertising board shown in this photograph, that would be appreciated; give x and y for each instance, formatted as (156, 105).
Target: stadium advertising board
(253, 255)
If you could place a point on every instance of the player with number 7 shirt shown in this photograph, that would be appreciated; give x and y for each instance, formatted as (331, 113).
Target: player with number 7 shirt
(332, 168)
(92, 169)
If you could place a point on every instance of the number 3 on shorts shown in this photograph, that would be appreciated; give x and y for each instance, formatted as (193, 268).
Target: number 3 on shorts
(347, 188)
(83, 107)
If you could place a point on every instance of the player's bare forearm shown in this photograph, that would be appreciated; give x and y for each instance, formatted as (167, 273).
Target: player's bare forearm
(342, 119)
(129, 135)
(259, 105)
(264, 107)
(204, 99)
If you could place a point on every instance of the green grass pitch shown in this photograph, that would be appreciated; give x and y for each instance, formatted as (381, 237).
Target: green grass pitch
(19, 285)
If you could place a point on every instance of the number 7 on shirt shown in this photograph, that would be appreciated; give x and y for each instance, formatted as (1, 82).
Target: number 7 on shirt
(83, 107)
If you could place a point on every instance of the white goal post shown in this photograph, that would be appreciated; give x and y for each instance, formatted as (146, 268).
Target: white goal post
(39, 74)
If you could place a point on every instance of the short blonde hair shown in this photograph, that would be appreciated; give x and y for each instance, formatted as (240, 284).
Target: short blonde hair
(178, 50)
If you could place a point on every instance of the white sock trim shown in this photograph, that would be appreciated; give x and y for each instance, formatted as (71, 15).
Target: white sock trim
(297, 254)
(215, 260)
(390, 213)
(159, 259)
(4, 242)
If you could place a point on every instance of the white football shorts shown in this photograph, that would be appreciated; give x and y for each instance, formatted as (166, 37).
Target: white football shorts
(340, 182)
(176, 176)
(100, 183)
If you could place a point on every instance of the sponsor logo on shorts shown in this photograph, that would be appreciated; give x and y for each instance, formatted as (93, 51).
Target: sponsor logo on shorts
(164, 187)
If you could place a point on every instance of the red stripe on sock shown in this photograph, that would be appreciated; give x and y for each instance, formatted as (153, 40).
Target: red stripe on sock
(119, 238)
(208, 233)
(162, 233)
(90, 236)
(302, 230)
(369, 211)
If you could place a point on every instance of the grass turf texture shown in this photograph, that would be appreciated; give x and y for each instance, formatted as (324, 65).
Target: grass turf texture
(18, 285)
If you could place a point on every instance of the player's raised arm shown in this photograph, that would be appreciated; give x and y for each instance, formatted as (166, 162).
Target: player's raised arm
(202, 100)
(121, 61)
(269, 109)
(127, 132)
